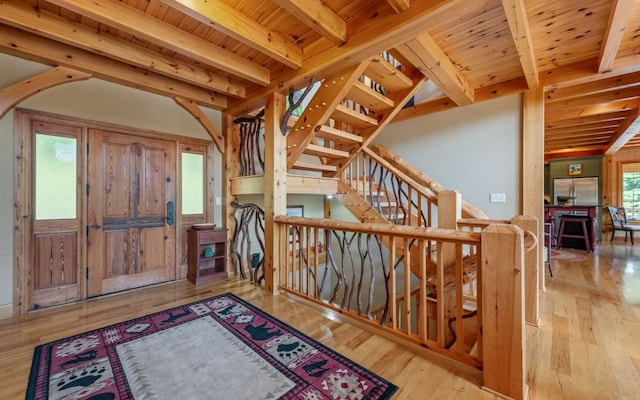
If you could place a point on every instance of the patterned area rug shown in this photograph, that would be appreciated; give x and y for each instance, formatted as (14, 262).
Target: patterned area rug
(568, 255)
(218, 348)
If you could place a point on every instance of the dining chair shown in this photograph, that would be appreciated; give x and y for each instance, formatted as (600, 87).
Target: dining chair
(619, 222)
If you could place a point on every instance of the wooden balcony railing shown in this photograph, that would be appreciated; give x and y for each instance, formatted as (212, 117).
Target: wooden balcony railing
(345, 267)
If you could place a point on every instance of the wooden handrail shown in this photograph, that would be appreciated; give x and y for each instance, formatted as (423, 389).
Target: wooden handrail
(409, 232)
(410, 171)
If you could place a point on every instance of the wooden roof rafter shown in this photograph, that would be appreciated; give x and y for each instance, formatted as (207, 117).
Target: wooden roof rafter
(425, 54)
(234, 24)
(26, 45)
(599, 86)
(627, 132)
(319, 17)
(388, 31)
(596, 98)
(399, 5)
(618, 21)
(73, 33)
(137, 23)
(516, 13)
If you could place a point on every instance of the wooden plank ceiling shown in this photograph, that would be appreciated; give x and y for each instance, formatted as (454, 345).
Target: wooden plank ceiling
(226, 54)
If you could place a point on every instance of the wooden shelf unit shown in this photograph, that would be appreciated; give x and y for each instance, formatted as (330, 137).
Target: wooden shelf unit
(203, 268)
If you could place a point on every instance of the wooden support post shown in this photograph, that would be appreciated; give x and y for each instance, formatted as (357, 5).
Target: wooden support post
(503, 334)
(275, 186)
(449, 212)
(231, 162)
(533, 165)
(532, 264)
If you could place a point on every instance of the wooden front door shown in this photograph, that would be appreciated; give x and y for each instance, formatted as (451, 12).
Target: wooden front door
(131, 181)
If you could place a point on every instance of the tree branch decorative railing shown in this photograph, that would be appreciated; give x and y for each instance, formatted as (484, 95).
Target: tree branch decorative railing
(249, 226)
(396, 197)
(343, 266)
(352, 271)
(251, 152)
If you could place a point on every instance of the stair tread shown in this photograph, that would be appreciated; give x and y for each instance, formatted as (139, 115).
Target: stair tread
(308, 166)
(327, 132)
(382, 72)
(369, 98)
(321, 151)
(353, 117)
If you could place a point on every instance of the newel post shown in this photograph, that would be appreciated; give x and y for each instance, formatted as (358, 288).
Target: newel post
(529, 223)
(503, 335)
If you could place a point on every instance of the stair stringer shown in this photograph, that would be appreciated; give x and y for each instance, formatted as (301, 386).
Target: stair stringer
(331, 92)
(400, 98)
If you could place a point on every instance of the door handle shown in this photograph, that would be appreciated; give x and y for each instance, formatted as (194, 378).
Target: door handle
(171, 213)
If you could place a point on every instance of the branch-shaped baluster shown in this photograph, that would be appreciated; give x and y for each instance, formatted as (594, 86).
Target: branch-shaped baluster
(363, 257)
(293, 104)
(250, 216)
(327, 241)
(250, 144)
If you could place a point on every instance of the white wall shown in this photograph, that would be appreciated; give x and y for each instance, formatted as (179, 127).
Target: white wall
(92, 99)
(475, 150)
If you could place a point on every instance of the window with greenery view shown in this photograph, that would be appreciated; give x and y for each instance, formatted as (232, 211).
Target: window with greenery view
(55, 176)
(192, 183)
(631, 190)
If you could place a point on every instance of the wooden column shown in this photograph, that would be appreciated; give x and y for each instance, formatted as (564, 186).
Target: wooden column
(503, 333)
(529, 223)
(449, 211)
(231, 163)
(275, 185)
(533, 165)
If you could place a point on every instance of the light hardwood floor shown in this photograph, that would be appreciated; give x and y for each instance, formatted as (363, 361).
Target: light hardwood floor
(586, 347)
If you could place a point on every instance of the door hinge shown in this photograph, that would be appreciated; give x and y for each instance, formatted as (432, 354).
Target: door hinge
(88, 188)
(87, 230)
(87, 273)
(87, 147)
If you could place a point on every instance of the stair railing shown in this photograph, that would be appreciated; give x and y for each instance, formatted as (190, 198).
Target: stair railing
(347, 267)
(393, 195)
(344, 267)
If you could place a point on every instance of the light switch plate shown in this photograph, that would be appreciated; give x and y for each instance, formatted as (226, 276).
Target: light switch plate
(218, 201)
(498, 198)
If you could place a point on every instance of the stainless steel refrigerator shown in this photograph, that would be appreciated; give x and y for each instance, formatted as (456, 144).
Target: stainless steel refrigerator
(576, 191)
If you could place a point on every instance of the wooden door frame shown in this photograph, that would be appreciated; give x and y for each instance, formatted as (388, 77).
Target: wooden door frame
(23, 249)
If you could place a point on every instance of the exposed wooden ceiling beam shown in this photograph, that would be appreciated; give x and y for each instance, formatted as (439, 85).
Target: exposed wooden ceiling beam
(618, 20)
(26, 45)
(582, 128)
(368, 39)
(586, 71)
(73, 33)
(318, 17)
(516, 13)
(601, 109)
(225, 19)
(626, 133)
(619, 82)
(609, 117)
(14, 94)
(425, 54)
(511, 87)
(399, 5)
(137, 23)
(596, 98)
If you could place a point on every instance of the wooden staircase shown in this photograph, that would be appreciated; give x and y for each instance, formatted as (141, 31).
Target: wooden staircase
(347, 111)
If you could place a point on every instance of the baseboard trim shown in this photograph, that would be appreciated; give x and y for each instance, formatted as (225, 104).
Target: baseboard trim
(6, 311)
